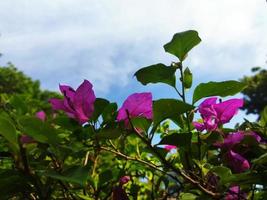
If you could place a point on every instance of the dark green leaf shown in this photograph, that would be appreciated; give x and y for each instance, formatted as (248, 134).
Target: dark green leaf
(188, 78)
(109, 113)
(182, 43)
(105, 177)
(75, 174)
(99, 106)
(223, 89)
(261, 160)
(109, 133)
(158, 73)
(177, 139)
(169, 108)
(8, 131)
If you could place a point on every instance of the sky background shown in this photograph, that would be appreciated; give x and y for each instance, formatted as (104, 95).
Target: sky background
(106, 41)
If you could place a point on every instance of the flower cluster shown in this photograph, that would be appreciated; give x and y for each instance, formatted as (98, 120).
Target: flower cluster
(216, 114)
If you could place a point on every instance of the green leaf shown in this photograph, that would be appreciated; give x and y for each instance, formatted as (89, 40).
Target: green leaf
(141, 122)
(263, 119)
(177, 139)
(99, 106)
(223, 89)
(18, 102)
(105, 177)
(75, 174)
(188, 78)
(261, 160)
(221, 171)
(39, 130)
(169, 108)
(182, 43)
(8, 131)
(109, 133)
(110, 112)
(187, 196)
(158, 73)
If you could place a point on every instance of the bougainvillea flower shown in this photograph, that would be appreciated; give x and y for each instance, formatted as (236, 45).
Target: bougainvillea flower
(236, 162)
(215, 114)
(137, 105)
(233, 139)
(234, 193)
(230, 140)
(118, 193)
(41, 115)
(169, 147)
(77, 104)
(124, 180)
(25, 139)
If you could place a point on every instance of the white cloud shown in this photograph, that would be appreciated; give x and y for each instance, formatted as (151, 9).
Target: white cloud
(106, 41)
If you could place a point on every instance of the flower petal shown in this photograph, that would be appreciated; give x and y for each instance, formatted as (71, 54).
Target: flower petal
(137, 104)
(41, 115)
(227, 109)
(84, 100)
(57, 104)
(237, 162)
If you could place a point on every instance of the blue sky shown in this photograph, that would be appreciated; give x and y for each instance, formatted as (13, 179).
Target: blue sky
(106, 41)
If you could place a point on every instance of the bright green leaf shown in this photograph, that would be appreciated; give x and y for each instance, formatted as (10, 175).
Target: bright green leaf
(158, 73)
(222, 89)
(8, 131)
(182, 43)
(188, 78)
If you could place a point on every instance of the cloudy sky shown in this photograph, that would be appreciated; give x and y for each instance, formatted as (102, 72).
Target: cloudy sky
(106, 41)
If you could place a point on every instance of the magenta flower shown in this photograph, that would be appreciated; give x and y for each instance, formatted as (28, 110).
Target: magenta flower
(124, 180)
(169, 147)
(118, 193)
(25, 139)
(235, 193)
(77, 104)
(138, 105)
(215, 114)
(236, 162)
(41, 115)
(233, 139)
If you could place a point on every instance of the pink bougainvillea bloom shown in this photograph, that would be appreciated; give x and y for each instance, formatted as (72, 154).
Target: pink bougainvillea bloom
(236, 162)
(41, 115)
(77, 104)
(25, 139)
(124, 180)
(215, 114)
(137, 105)
(235, 193)
(233, 139)
(230, 140)
(169, 147)
(118, 193)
